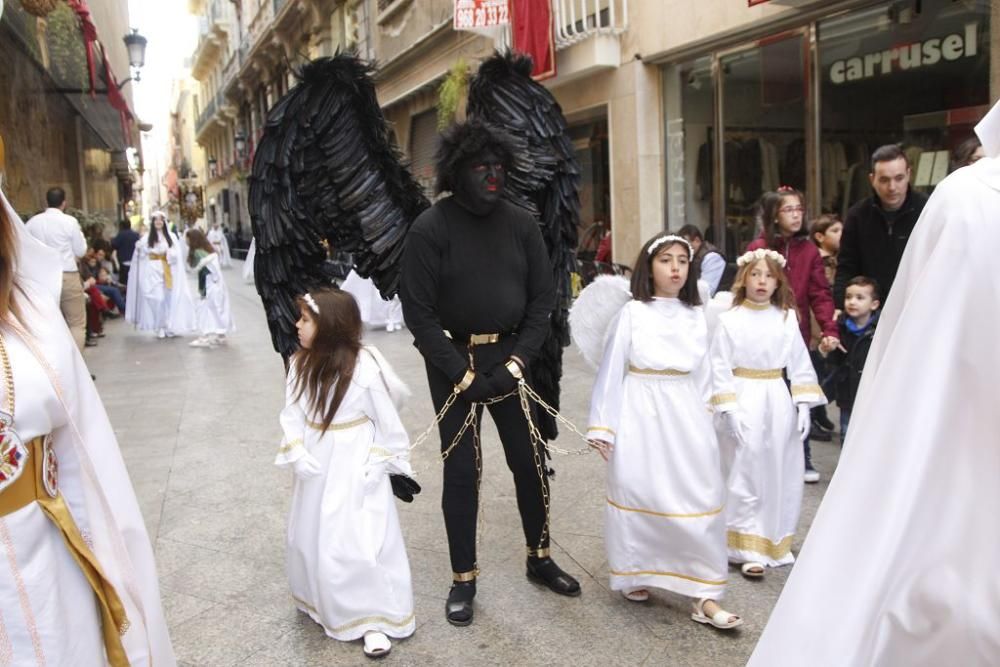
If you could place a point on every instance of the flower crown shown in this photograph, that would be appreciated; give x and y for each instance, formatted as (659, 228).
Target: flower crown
(670, 238)
(311, 302)
(759, 254)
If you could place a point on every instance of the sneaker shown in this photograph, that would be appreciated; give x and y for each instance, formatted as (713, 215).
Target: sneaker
(200, 342)
(161, 334)
(90, 342)
(811, 476)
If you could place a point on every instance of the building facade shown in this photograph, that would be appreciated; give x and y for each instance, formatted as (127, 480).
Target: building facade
(680, 112)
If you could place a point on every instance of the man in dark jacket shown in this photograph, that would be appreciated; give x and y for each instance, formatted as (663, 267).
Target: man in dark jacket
(877, 228)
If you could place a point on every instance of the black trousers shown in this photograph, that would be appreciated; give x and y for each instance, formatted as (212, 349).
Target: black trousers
(460, 496)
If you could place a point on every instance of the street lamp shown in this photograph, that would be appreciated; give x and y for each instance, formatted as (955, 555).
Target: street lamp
(240, 143)
(136, 45)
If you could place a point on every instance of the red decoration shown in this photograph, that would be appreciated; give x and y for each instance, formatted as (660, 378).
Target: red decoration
(533, 34)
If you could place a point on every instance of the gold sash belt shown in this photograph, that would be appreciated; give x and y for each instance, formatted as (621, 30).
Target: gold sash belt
(668, 372)
(758, 374)
(30, 487)
(342, 426)
(168, 278)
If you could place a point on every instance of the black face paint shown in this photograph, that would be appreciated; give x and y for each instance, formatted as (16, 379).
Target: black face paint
(480, 183)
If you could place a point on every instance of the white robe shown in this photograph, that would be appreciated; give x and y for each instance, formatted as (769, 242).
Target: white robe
(221, 245)
(248, 262)
(900, 565)
(48, 613)
(664, 522)
(151, 306)
(213, 311)
(375, 311)
(346, 561)
(765, 474)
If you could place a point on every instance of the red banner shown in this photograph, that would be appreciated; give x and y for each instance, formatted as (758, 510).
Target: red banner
(533, 34)
(751, 3)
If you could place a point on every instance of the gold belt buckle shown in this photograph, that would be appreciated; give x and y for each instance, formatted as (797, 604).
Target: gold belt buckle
(484, 339)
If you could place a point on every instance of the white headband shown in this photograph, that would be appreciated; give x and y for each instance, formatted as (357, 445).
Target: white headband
(759, 254)
(671, 238)
(311, 302)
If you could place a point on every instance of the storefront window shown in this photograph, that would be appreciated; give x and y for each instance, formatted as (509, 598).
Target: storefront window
(914, 73)
(689, 103)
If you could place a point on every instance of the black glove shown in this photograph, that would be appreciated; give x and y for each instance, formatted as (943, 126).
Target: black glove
(501, 380)
(404, 487)
(480, 390)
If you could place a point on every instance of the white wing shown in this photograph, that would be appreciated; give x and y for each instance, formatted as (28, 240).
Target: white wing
(592, 313)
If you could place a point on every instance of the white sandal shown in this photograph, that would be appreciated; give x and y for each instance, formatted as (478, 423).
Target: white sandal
(752, 570)
(377, 645)
(636, 594)
(721, 619)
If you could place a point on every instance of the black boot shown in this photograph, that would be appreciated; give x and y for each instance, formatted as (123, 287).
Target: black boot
(458, 608)
(545, 571)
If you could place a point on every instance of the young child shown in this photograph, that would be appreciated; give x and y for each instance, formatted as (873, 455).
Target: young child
(755, 345)
(649, 418)
(857, 329)
(347, 564)
(825, 232)
(215, 319)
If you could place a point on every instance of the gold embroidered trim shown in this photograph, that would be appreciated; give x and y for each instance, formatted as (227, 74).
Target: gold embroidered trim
(668, 515)
(757, 374)
(361, 621)
(669, 372)
(747, 303)
(290, 445)
(758, 544)
(719, 399)
(466, 576)
(381, 451)
(655, 573)
(601, 428)
(342, 426)
(806, 389)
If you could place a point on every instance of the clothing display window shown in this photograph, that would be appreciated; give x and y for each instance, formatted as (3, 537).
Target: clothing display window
(807, 106)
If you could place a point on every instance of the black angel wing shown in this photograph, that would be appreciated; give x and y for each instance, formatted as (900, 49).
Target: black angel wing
(326, 170)
(546, 181)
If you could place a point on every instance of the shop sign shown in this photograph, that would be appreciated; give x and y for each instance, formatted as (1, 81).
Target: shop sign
(480, 14)
(910, 56)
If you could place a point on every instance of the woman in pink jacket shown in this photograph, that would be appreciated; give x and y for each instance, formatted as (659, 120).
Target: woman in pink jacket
(782, 218)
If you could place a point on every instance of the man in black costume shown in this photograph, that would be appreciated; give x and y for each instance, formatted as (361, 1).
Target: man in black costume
(477, 291)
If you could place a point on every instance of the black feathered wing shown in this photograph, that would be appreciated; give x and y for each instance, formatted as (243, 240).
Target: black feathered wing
(326, 170)
(545, 180)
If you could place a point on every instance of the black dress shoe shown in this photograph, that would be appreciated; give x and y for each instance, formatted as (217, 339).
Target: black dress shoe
(818, 434)
(458, 608)
(545, 571)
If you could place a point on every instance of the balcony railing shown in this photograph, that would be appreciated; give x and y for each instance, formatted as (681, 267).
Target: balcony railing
(578, 20)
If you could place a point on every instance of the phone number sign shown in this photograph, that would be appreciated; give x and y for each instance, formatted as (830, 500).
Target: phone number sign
(479, 14)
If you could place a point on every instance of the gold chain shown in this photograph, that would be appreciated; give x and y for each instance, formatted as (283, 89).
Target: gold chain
(8, 377)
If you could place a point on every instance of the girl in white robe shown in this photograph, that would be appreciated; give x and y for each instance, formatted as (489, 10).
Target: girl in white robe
(346, 560)
(215, 318)
(218, 240)
(375, 311)
(78, 582)
(159, 298)
(754, 347)
(649, 417)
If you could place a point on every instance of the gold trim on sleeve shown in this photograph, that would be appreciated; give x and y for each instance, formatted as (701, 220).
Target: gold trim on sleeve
(804, 389)
(758, 374)
(601, 428)
(290, 445)
(656, 573)
(759, 545)
(668, 372)
(721, 399)
(667, 515)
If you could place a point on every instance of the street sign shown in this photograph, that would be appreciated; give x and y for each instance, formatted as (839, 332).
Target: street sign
(481, 14)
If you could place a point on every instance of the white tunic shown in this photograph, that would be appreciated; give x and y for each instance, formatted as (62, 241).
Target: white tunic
(765, 475)
(900, 565)
(151, 305)
(213, 311)
(221, 245)
(346, 560)
(375, 311)
(664, 522)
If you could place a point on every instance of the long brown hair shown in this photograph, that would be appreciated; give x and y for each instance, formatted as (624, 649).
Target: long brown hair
(329, 363)
(783, 296)
(197, 240)
(8, 266)
(767, 213)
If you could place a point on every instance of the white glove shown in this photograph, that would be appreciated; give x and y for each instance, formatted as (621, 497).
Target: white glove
(306, 466)
(804, 421)
(374, 474)
(736, 427)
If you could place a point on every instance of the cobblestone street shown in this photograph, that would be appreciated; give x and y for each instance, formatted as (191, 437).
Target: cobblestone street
(199, 430)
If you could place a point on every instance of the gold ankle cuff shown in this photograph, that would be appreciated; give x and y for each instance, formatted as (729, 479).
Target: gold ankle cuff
(539, 553)
(462, 577)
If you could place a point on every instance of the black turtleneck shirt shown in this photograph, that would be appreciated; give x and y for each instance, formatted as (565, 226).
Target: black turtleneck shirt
(471, 274)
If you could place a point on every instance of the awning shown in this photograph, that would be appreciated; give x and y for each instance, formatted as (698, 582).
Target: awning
(77, 65)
